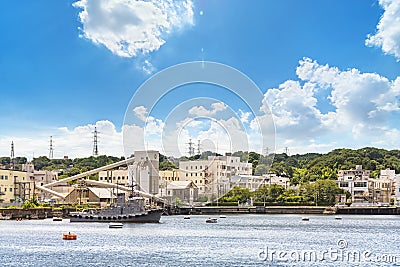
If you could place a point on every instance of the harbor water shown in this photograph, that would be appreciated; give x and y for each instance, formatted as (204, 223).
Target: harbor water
(237, 240)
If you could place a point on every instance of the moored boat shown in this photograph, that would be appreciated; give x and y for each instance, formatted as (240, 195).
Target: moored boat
(115, 225)
(132, 211)
(211, 220)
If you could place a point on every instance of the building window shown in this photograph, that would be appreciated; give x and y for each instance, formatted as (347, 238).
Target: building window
(201, 167)
(5, 189)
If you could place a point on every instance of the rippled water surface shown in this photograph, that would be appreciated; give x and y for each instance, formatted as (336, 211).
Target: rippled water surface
(237, 240)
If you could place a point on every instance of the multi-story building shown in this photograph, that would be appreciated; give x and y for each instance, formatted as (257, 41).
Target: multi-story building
(355, 181)
(119, 176)
(145, 171)
(41, 178)
(213, 175)
(165, 178)
(383, 188)
(366, 189)
(15, 186)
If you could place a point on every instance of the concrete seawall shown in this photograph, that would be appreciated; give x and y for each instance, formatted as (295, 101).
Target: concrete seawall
(254, 210)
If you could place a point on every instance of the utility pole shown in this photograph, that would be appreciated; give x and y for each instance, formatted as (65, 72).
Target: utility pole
(95, 149)
(51, 148)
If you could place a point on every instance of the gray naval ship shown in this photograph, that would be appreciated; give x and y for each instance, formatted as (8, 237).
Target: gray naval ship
(132, 211)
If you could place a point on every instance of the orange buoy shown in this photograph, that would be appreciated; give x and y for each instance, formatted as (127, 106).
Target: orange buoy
(69, 236)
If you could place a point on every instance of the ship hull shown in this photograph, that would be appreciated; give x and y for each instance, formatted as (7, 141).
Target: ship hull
(151, 216)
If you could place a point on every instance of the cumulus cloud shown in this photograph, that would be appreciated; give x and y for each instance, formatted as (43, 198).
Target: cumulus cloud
(360, 105)
(387, 35)
(244, 116)
(128, 28)
(202, 111)
(141, 112)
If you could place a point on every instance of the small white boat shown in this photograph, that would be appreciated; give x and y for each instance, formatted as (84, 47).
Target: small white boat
(5, 217)
(305, 219)
(338, 218)
(186, 217)
(222, 216)
(115, 225)
(57, 219)
(211, 220)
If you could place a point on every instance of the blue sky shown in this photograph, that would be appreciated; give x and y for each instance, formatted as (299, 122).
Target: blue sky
(327, 70)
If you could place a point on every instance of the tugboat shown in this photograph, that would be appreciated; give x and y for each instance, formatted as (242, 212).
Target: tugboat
(132, 211)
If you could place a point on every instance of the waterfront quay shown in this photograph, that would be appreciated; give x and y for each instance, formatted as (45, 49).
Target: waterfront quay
(43, 213)
(287, 210)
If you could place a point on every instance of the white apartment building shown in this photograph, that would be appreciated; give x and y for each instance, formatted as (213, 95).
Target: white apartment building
(213, 175)
(366, 189)
(254, 182)
(355, 181)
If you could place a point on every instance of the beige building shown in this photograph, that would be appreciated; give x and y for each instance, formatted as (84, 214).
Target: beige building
(85, 195)
(41, 178)
(364, 189)
(186, 191)
(15, 187)
(213, 175)
(119, 176)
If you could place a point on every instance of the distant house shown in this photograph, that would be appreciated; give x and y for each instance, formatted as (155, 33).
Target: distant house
(91, 195)
(186, 191)
(355, 181)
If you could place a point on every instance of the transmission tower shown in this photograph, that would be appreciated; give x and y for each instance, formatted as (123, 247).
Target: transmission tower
(51, 149)
(95, 149)
(191, 148)
(286, 150)
(198, 147)
(12, 157)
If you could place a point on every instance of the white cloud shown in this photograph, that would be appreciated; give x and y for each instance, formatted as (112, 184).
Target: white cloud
(202, 111)
(244, 116)
(361, 107)
(387, 36)
(141, 112)
(128, 28)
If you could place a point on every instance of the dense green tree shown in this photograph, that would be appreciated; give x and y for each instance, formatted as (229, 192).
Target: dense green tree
(236, 194)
